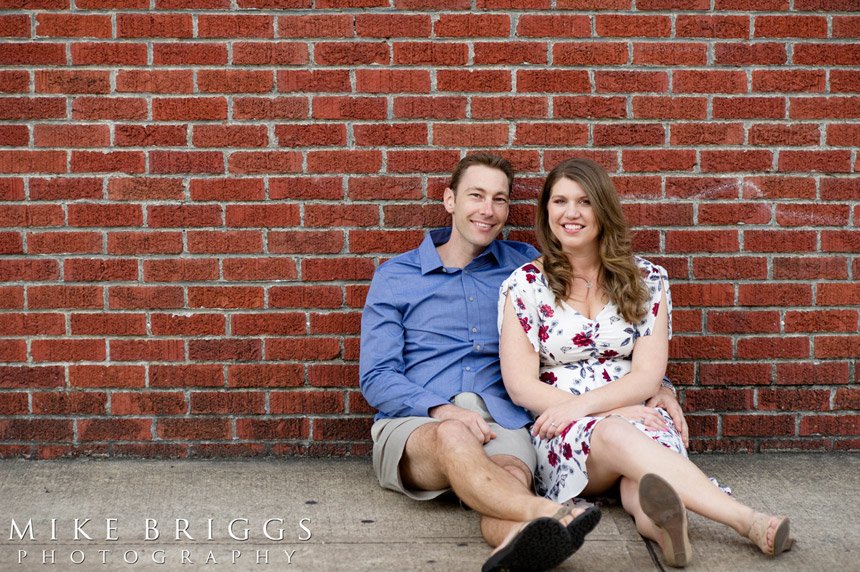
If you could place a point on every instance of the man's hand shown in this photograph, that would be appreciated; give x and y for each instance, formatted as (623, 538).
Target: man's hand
(474, 421)
(666, 399)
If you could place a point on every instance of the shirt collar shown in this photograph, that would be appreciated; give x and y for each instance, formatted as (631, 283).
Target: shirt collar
(429, 257)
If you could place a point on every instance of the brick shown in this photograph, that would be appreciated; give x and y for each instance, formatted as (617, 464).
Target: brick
(14, 403)
(750, 55)
(826, 54)
(72, 81)
(108, 54)
(797, 268)
(632, 26)
(844, 81)
(709, 347)
(182, 216)
(732, 214)
(30, 215)
(147, 350)
(41, 430)
(832, 189)
(736, 161)
(743, 322)
(154, 26)
(13, 350)
(10, 243)
(193, 429)
(838, 294)
(392, 25)
(99, 270)
(180, 270)
(15, 136)
(846, 26)
(812, 215)
(303, 348)
(717, 268)
(349, 161)
(272, 429)
(225, 297)
(144, 188)
(71, 135)
(270, 53)
(779, 295)
(117, 108)
(554, 26)
(113, 323)
(336, 323)
(843, 135)
(230, 136)
(847, 399)
(235, 26)
(470, 135)
(224, 350)
(840, 241)
(234, 81)
(830, 425)
(511, 53)
(186, 376)
(303, 80)
(481, 80)
(757, 425)
(698, 294)
(802, 81)
(650, 214)
(12, 297)
(349, 108)
(409, 216)
(669, 54)
(392, 81)
(342, 429)
(31, 324)
(588, 53)
(32, 108)
(298, 242)
(304, 402)
(320, 269)
(752, 5)
(150, 135)
(820, 161)
(790, 27)
(430, 54)
(749, 108)
(709, 81)
(69, 403)
(699, 26)
(24, 377)
(341, 215)
(587, 106)
(107, 162)
(305, 188)
(270, 323)
(606, 159)
(181, 162)
(553, 81)
(825, 108)
(189, 54)
(101, 215)
(32, 162)
(232, 403)
(594, 4)
(821, 321)
(262, 216)
(73, 26)
(149, 403)
(395, 134)
(659, 161)
(472, 26)
(351, 54)
(106, 375)
(32, 54)
(64, 297)
(17, 26)
(711, 133)
(422, 107)
(784, 135)
(224, 190)
(144, 297)
(316, 26)
(189, 109)
(718, 400)
(305, 297)
(631, 81)
(257, 269)
(817, 373)
(664, 107)
(266, 375)
(29, 269)
(779, 241)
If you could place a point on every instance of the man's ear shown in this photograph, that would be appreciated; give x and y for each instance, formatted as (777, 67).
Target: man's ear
(448, 199)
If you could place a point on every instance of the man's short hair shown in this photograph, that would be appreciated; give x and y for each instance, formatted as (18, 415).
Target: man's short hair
(486, 159)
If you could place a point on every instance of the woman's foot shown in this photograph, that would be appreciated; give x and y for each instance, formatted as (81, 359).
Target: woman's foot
(770, 533)
(663, 506)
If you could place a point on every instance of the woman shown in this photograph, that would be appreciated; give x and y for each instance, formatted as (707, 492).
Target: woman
(584, 342)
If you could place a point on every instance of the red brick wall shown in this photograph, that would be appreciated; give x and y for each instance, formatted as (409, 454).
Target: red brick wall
(194, 197)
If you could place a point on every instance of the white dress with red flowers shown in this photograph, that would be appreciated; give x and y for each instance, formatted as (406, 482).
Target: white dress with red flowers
(578, 355)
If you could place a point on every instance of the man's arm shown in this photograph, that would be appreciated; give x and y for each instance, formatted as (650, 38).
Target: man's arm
(381, 363)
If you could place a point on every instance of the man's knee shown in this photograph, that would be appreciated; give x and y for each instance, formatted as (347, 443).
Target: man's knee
(515, 467)
(453, 435)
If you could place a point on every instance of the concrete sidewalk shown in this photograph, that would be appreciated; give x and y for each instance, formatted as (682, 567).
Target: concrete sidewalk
(354, 525)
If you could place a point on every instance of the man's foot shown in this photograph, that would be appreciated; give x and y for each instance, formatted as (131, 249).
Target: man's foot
(661, 504)
(545, 542)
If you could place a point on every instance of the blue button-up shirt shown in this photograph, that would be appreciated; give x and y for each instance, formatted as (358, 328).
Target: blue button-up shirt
(429, 332)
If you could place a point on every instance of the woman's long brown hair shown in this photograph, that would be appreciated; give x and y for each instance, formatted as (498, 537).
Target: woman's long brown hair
(619, 277)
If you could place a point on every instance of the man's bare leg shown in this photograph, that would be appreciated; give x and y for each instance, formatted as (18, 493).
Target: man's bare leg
(447, 454)
(496, 531)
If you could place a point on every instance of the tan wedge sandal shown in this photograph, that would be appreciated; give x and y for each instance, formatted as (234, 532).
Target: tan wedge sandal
(663, 505)
(782, 540)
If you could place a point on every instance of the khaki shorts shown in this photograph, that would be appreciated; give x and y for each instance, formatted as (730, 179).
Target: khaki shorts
(390, 435)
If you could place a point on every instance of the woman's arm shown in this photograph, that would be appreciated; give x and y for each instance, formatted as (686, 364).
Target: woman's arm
(650, 356)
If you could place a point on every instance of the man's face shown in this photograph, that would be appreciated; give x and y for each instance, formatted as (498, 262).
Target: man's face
(479, 207)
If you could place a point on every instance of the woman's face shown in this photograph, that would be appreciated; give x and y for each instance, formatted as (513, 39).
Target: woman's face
(571, 216)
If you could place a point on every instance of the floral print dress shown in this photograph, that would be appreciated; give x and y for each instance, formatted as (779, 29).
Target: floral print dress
(578, 355)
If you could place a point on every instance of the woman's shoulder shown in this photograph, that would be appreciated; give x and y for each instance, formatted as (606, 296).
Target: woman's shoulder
(525, 275)
(648, 268)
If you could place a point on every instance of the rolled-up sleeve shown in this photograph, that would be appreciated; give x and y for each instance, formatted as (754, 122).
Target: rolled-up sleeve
(381, 363)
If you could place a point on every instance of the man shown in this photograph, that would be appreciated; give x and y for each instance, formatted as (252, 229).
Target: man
(429, 363)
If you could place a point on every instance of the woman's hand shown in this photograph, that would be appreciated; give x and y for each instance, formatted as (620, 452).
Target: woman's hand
(649, 416)
(556, 418)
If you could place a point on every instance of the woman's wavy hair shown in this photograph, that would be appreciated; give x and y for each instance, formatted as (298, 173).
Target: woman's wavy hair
(619, 276)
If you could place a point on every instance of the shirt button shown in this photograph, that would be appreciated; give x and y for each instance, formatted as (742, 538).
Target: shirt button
(474, 330)
(471, 298)
(478, 347)
(468, 368)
